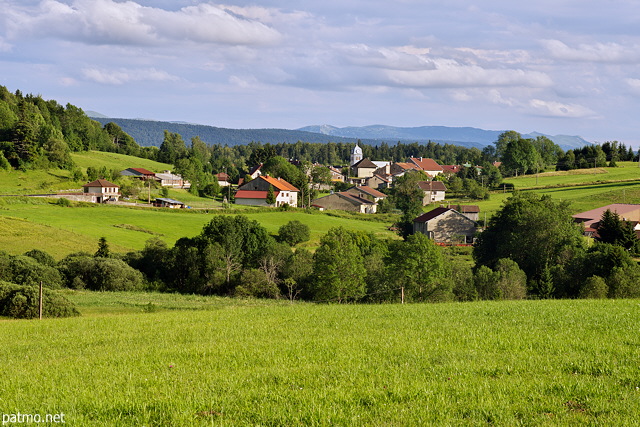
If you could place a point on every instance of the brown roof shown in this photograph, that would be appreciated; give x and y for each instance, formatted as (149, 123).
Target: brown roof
(468, 208)
(222, 176)
(407, 166)
(279, 183)
(426, 164)
(431, 214)
(100, 183)
(370, 191)
(451, 168)
(432, 186)
(142, 171)
(594, 215)
(365, 163)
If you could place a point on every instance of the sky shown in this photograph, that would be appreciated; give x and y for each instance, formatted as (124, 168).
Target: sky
(552, 66)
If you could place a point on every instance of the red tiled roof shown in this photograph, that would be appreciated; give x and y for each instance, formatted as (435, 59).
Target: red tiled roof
(432, 186)
(279, 183)
(370, 191)
(142, 171)
(451, 168)
(426, 164)
(222, 176)
(408, 166)
(100, 183)
(253, 194)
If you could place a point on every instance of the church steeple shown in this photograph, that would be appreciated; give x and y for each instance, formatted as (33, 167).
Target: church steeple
(356, 154)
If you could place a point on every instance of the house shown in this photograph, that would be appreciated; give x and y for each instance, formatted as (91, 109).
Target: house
(255, 171)
(365, 192)
(591, 219)
(223, 179)
(168, 203)
(446, 225)
(450, 169)
(101, 191)
(400, 168)
(429, 166)
(363, 169)
(255, 192)
(378, 181)
(168, 179)
(140, 173)
(336, 174)
(345, 201)
(383, 167)
(434, 191)
(470, 211)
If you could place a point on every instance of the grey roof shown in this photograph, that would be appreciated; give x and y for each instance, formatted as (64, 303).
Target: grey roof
(171, 201)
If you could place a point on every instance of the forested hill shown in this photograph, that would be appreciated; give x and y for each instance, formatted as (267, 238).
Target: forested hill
(151, 133)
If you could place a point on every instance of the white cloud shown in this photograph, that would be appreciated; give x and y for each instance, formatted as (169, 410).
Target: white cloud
(557, 109)
(122, 76)
(596, 52)
(451, 74)
(634, 85)
(112, 22)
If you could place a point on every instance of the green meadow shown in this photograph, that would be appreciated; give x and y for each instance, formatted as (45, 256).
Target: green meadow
(149, 359)
(28, 223)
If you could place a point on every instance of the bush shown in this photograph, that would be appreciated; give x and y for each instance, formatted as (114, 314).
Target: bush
(594, 287)
(22, 302)
(25, 270)
(63, 202)
(100, 274)
(42, 257)
(294, 232)
(254, 283)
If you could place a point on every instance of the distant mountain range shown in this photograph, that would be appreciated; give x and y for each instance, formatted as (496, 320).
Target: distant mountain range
(151, 133)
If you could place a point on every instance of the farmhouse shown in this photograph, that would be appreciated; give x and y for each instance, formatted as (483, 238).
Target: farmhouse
(223, 179)
(168, 179)
(445, 225)
(470, 211)
(139, 173)
(168, 203)
(345, 201)
(101, 191)
(255, 192)
(433, 191)
(365, 192)
(591, 219)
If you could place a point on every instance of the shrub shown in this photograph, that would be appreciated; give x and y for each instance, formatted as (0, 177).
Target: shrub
(22, 302)
(294, 232)
(25, 270)
(100, 274)
(63, 202)
(594, 287)
(42, 257)
(254, 283)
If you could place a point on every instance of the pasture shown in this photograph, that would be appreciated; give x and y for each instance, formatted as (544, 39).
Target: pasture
(28, 223)
(149, 359)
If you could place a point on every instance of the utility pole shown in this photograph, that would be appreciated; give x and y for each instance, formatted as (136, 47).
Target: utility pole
(40, 302)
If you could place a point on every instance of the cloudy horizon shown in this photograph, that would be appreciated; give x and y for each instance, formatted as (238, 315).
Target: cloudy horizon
(562, 67)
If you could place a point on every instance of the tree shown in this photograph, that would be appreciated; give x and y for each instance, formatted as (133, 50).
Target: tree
(521, 156)
(616, 231)
(271, 196)
(294, 232)
(594, 287)
(407, 196)
(337, 268)
(532, 230)
(418, 265)
(103, 248)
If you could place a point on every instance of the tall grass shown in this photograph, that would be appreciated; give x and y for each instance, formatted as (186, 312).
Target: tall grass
(506, 363)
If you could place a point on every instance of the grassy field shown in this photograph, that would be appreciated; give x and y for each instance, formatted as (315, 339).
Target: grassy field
(53, 180)
(28, 223)
(183, 361)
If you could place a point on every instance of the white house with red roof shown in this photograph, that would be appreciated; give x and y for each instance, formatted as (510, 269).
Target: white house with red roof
(254, 192)
(434, 191)
(101, 191)
(429, 166)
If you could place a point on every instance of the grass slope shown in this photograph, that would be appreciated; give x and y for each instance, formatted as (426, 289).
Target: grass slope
(68, 229)
(222, 362)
